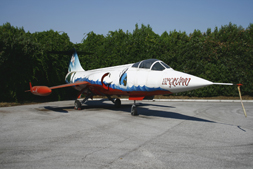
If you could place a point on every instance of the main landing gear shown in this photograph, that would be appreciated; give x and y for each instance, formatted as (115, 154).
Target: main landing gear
(117, 103)
(78, 104)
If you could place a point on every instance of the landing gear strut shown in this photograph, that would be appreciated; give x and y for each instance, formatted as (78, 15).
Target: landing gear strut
(134, 109)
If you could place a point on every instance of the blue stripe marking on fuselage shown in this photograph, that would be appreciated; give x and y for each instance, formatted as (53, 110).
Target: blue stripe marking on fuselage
(123, 88)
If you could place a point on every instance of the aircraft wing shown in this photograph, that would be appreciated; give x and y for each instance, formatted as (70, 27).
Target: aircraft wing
(68, 85)
(44, 90)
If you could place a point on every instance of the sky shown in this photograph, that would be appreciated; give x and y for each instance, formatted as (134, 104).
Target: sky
(79, 17)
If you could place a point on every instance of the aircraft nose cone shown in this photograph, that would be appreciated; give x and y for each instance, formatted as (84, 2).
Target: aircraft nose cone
(197, 82)
(180, 82)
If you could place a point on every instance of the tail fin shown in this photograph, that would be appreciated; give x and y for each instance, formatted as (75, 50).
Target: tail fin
(74, 64)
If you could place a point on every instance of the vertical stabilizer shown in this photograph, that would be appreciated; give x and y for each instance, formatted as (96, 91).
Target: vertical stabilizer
(74, 64)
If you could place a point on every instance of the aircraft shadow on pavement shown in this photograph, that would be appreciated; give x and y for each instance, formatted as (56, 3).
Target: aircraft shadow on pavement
(126, 107)
(58, 109)
(169, 114)
(143, 110)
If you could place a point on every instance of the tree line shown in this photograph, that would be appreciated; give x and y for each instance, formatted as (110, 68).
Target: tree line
(222, 55)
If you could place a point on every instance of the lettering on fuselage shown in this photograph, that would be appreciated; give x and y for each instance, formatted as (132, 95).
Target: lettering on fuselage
(176, 81)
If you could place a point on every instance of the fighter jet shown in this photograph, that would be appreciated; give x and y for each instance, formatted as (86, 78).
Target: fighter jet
(138, 81)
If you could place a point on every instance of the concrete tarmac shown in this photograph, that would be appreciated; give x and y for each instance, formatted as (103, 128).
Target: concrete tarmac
(164, 135)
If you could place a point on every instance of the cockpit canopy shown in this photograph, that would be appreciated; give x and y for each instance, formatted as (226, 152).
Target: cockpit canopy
(153, 64)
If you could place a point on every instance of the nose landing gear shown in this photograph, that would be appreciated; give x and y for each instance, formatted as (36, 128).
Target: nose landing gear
(134, 109)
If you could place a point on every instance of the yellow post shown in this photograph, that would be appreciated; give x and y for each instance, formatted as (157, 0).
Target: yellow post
(239, 85)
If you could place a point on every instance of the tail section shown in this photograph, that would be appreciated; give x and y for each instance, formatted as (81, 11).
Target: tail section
(74, 64)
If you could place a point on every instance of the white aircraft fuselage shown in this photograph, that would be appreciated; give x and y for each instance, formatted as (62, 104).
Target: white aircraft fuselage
(136, 81)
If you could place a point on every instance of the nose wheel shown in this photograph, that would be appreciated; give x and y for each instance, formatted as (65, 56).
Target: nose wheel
(134, 109)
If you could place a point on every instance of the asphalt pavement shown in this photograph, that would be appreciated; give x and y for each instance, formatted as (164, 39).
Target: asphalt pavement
(166, 134)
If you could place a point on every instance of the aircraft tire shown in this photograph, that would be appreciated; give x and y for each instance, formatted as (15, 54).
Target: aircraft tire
(134, 110)
(117, 103)
(77, 105)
